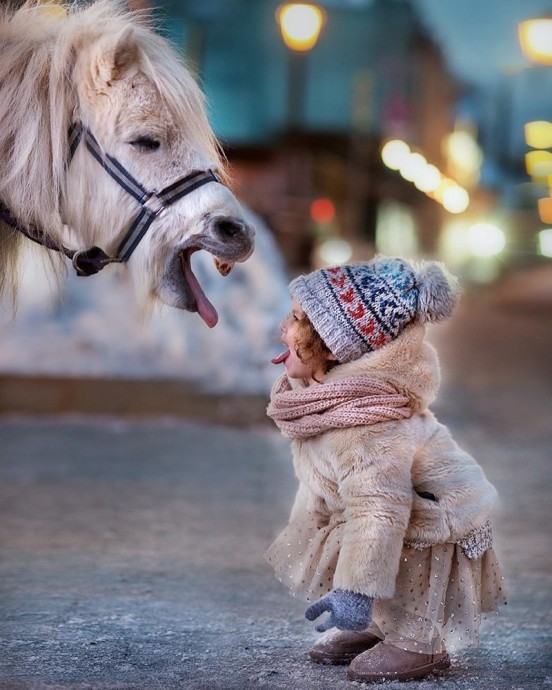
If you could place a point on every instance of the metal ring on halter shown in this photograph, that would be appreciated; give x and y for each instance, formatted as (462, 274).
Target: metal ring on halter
(96, 264)
(74, 261)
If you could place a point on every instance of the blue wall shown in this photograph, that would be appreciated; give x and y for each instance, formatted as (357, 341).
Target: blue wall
(360, 62)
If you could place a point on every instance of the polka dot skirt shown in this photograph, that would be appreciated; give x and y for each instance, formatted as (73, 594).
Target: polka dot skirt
(440, 594)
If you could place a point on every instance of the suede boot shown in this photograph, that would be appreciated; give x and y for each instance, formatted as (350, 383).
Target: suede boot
(386, 662)
(341, 646)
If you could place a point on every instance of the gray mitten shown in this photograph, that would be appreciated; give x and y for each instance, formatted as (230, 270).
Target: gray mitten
(348, 610)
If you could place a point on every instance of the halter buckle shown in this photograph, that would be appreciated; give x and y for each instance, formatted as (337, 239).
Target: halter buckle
(153, 203)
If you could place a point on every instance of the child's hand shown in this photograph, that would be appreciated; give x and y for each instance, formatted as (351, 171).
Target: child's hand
(348, 610)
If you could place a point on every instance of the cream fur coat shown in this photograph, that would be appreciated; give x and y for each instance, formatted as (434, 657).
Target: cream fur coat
(365, 479)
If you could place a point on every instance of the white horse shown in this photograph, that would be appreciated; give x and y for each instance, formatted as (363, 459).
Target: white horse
(106, 152)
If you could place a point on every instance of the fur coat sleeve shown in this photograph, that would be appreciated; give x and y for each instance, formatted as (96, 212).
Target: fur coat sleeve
(373, 475)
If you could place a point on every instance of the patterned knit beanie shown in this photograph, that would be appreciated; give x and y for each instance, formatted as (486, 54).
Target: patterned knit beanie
(360, 307)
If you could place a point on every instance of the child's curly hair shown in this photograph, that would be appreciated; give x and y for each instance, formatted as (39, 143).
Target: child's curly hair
(311, 349)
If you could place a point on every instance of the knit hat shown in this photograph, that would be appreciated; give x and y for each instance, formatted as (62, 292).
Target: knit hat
(357, 308)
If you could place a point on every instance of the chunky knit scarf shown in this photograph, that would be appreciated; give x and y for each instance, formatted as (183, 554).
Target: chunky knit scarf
(306, 412)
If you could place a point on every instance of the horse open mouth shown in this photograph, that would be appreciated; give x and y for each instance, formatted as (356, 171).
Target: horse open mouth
(227, 243)
(202, 305)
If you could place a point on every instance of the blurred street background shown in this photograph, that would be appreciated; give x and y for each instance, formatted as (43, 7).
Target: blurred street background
(140, 481)
(413, 127)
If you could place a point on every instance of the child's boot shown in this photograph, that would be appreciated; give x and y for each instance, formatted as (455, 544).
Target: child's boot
(341, 646)
(386, 662)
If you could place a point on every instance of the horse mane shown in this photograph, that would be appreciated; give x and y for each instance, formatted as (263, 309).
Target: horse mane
(38, 102)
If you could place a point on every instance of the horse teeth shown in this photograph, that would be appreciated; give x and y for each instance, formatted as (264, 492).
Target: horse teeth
(223, 267)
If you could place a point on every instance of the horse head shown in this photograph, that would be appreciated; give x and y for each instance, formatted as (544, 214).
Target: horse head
(127, 89)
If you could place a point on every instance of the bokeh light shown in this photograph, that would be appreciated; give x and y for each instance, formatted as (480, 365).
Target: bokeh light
(538, 163)
(535, 38)
(396, 232)
(455, 199)
(545, 242)
(322, 210)
(538, 134)
(464, 155)
(394, 153)
(453, 242)
(545, 210)
(301, 24)
(335, 251)
(485, 239)
(413, 166)
(428, 179)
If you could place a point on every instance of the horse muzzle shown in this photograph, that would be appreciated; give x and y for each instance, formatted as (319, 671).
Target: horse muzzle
(229, 239)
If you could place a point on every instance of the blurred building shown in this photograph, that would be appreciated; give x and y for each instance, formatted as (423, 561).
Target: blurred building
(300, 127)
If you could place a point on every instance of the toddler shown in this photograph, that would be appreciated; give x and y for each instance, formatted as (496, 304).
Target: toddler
(389, 532)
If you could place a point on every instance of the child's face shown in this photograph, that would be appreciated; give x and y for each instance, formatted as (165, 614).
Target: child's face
(295, 368)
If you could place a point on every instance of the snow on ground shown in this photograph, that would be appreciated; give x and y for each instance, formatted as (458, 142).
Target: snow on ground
(92, 326)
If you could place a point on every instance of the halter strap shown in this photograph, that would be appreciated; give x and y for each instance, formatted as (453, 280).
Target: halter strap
(87, 262)
(112, 166)
(33, 233)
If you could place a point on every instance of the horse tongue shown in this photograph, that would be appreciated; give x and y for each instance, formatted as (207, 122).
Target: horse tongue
(204, 308)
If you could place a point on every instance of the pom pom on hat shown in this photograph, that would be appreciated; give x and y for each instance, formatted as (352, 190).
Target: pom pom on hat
(438, 292)
(358, 308)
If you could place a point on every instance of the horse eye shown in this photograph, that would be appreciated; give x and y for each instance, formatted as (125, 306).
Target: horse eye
(145, 143)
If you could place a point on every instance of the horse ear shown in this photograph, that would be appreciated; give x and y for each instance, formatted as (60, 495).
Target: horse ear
(114, 59)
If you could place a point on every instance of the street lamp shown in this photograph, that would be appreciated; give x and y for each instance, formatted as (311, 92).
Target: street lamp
(300, 24)
(535, 38)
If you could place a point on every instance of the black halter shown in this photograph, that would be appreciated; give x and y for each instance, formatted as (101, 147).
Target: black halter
(86, 262)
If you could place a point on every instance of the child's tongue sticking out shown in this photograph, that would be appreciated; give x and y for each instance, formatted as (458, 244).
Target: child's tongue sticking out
(280, 358)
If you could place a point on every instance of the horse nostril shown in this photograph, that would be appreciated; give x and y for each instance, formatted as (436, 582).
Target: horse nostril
(228, 227)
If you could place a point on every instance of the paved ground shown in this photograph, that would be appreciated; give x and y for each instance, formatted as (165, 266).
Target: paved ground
(132, 551)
